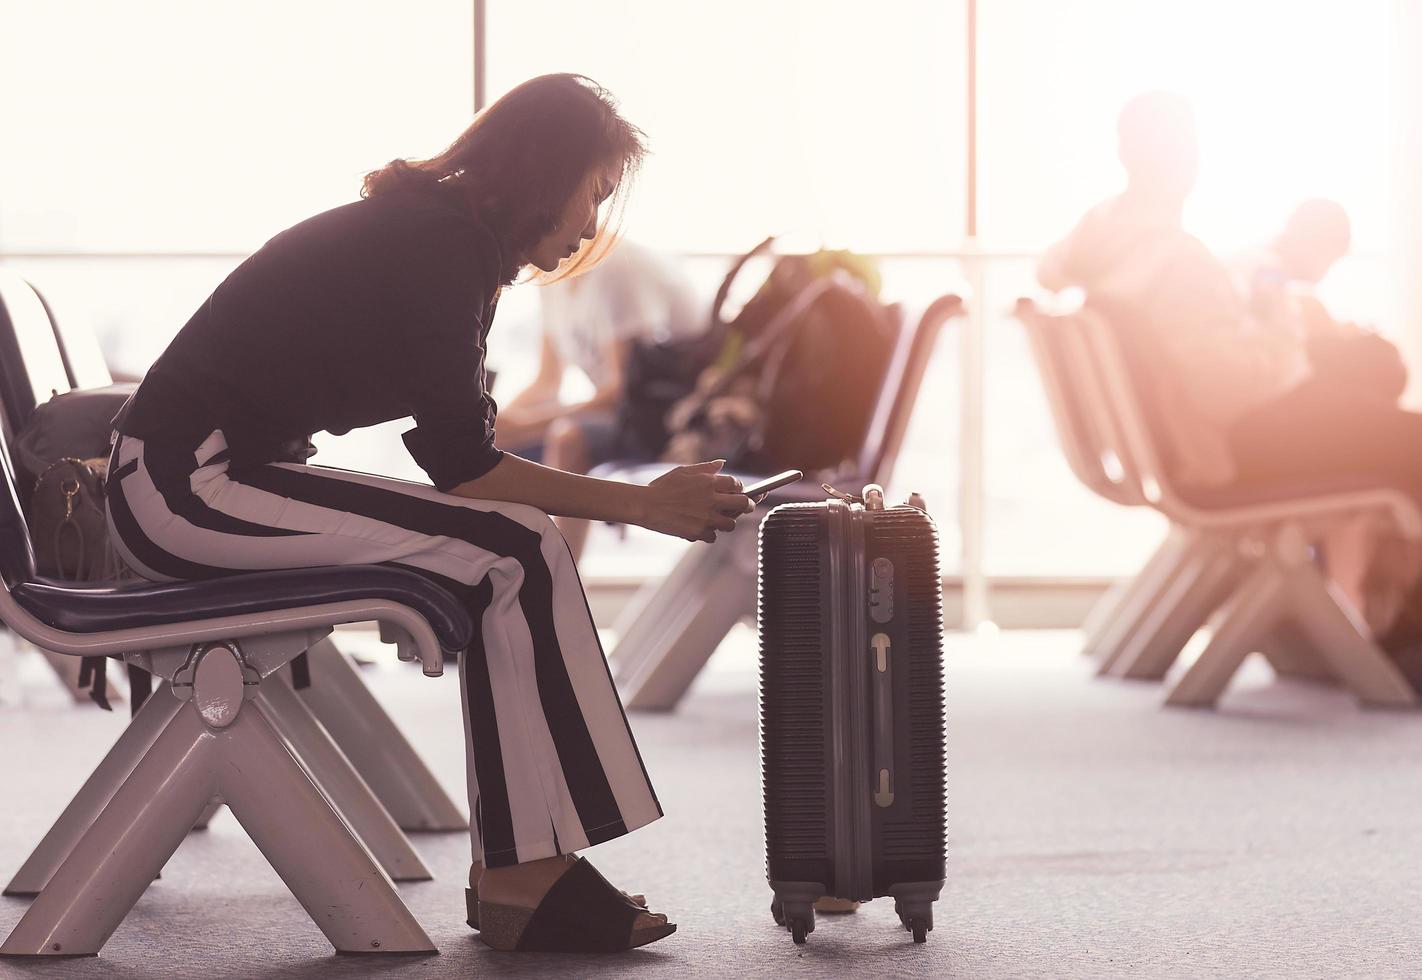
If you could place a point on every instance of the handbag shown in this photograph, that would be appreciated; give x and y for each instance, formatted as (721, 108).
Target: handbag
(71, 541)
(58, 458)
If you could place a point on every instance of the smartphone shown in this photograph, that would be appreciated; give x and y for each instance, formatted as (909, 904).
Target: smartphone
(773, 483)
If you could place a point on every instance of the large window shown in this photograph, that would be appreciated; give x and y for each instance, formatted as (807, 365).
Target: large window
(160, 142)
(841, 121)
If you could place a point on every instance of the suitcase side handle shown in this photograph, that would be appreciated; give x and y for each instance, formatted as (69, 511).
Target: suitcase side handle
(881, 681)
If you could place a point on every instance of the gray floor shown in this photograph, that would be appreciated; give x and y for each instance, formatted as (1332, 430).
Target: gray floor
(1092, 834)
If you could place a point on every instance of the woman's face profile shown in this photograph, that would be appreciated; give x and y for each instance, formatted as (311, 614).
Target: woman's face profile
(577, 224)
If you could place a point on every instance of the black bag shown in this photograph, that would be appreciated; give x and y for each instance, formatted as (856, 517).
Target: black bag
(60, 459)
(76, 424)
(819, 398)
(68, 526)
(852, 716)
(61, 454)
(658, 375)
(797, 373)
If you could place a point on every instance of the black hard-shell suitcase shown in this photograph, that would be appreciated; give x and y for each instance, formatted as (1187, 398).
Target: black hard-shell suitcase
(851, 708)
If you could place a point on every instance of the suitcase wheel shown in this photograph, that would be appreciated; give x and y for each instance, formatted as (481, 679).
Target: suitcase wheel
(800, 920)
(917, 918)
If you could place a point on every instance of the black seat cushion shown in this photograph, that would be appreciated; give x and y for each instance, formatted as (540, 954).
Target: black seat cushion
(76, 609)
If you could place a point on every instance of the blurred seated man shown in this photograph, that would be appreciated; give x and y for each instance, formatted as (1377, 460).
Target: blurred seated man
(1208, 362)
(1124, 244)
(1342, 420)
(1231, 377)
(589, 323)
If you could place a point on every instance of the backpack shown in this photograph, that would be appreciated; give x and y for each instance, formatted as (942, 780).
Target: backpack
(659, 374)
(73, 425)
(798, 373)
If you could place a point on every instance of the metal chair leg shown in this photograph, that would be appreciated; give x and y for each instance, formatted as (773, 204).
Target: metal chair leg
(375, 745)
(664, 670)
(293, 824)
(1126, 596)
(249, 766)
(1342, 640)
(1294, 656)
(125, 848)
(646, 617)
(206, 816)
(1174, 555)
(1196, 591)
(94, 795)
(1248, 618)
(347, 791)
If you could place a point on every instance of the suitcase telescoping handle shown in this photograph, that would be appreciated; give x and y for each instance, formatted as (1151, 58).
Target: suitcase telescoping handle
(883, 698)
(881, 610)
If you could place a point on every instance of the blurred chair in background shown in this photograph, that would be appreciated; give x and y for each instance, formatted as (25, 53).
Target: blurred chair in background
(1249, 547)
(1347, 365)
(673, 626)
(1217, 364)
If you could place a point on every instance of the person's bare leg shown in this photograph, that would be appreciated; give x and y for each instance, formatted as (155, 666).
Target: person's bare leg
(565, 448)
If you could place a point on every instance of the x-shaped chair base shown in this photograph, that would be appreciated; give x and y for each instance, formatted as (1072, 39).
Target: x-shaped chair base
(339, 731)
(376, 747)
(1286, 588)
(309, 741)
(225, 736)
(1142, 632)
(673, 627)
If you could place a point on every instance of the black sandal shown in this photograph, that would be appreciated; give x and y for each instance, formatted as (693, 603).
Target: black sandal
(581, 913)
(471, 906)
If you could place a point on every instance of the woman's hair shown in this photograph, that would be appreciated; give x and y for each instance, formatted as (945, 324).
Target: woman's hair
(522, 160)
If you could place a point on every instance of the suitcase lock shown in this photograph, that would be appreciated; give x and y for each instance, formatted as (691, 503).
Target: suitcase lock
(881, 590)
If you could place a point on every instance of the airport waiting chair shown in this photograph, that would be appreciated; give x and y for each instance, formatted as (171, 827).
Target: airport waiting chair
(32, 362)
(1253, 548)
(1189, 573)
(221, 727)
(40, 354)
(371, 764)
(1140, 626)
(673, 626)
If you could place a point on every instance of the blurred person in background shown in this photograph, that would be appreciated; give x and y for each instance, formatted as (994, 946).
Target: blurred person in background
(1279, 282)
(1120, 247)
(1248, 370)
(1342, 419)
(1164, 289)
(590, 322)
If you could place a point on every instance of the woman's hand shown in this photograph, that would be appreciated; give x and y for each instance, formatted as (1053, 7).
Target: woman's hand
(694, 502)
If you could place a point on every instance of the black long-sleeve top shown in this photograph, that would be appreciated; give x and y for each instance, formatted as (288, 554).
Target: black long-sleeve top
(373, 311)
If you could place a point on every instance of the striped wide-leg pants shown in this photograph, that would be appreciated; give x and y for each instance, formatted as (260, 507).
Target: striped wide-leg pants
(552, 765)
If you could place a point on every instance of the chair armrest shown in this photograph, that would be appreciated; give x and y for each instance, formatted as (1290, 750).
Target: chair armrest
(1399, 506)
